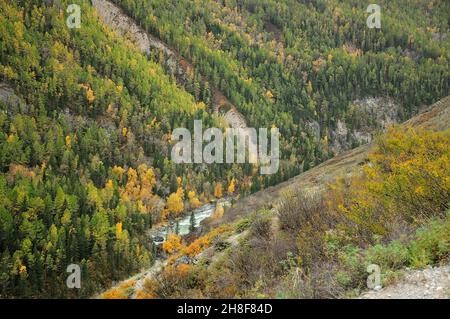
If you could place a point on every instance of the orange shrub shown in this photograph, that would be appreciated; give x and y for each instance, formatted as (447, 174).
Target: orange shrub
(196, 247)
(184, 269)
(127, 284)
(172, 244)
(143, 294)
(114, 293)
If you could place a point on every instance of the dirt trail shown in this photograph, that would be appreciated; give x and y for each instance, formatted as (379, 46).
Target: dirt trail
(148, 273)
(113, 16)
(429, 283)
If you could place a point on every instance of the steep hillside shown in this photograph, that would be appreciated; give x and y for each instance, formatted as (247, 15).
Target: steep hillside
(84, 172)
(253, 228)
(114, 17)
(435, 117)
(87, 115)
(292, 63)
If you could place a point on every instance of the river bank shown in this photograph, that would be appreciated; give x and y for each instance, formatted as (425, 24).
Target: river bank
(158, 234)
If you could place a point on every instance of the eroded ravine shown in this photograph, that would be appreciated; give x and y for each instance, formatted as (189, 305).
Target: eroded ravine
(114, 17)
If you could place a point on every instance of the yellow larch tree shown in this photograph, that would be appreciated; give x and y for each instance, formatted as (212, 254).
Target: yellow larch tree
(175, 203)
(218, 190)
(118, 172)
(68, 142)
(232, 187)
(172, 244)
(119, 230)
(194, 202)
(90, 95)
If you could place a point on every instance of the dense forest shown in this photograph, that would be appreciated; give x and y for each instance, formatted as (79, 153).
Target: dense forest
(85, 164)
(291, 62)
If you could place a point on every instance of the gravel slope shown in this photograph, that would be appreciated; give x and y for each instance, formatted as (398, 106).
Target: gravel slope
(429, 283)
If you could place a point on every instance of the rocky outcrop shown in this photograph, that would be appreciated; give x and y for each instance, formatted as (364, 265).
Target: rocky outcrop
(7, 94)
(367, 116)
(13, 103)
(123, 25)
(114, 17)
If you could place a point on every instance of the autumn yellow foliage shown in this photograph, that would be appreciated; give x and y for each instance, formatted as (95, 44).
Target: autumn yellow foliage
(90, 96)
(407, 178)
(175, 203)
(68, 142)
(127, 284)
(11, 138)
(138, 190)
(118, 172)
(184, 269)
(197, 246)
(143, 294)
(172, 244)
(22, 269)
(200, 244)
(164, 214)
(114, 293)
(231, 187)
(119, 230)
(194, 202)
(218, 193)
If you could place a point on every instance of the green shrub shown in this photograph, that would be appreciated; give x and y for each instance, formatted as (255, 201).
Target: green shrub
(242, 225)
(431, 244)
(344, 278)
(353, 267)
(393, 256)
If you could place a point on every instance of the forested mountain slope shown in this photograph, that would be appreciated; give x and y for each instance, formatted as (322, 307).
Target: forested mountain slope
(84, 168)
(86, 114)
(290, 63)
(183, 71)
